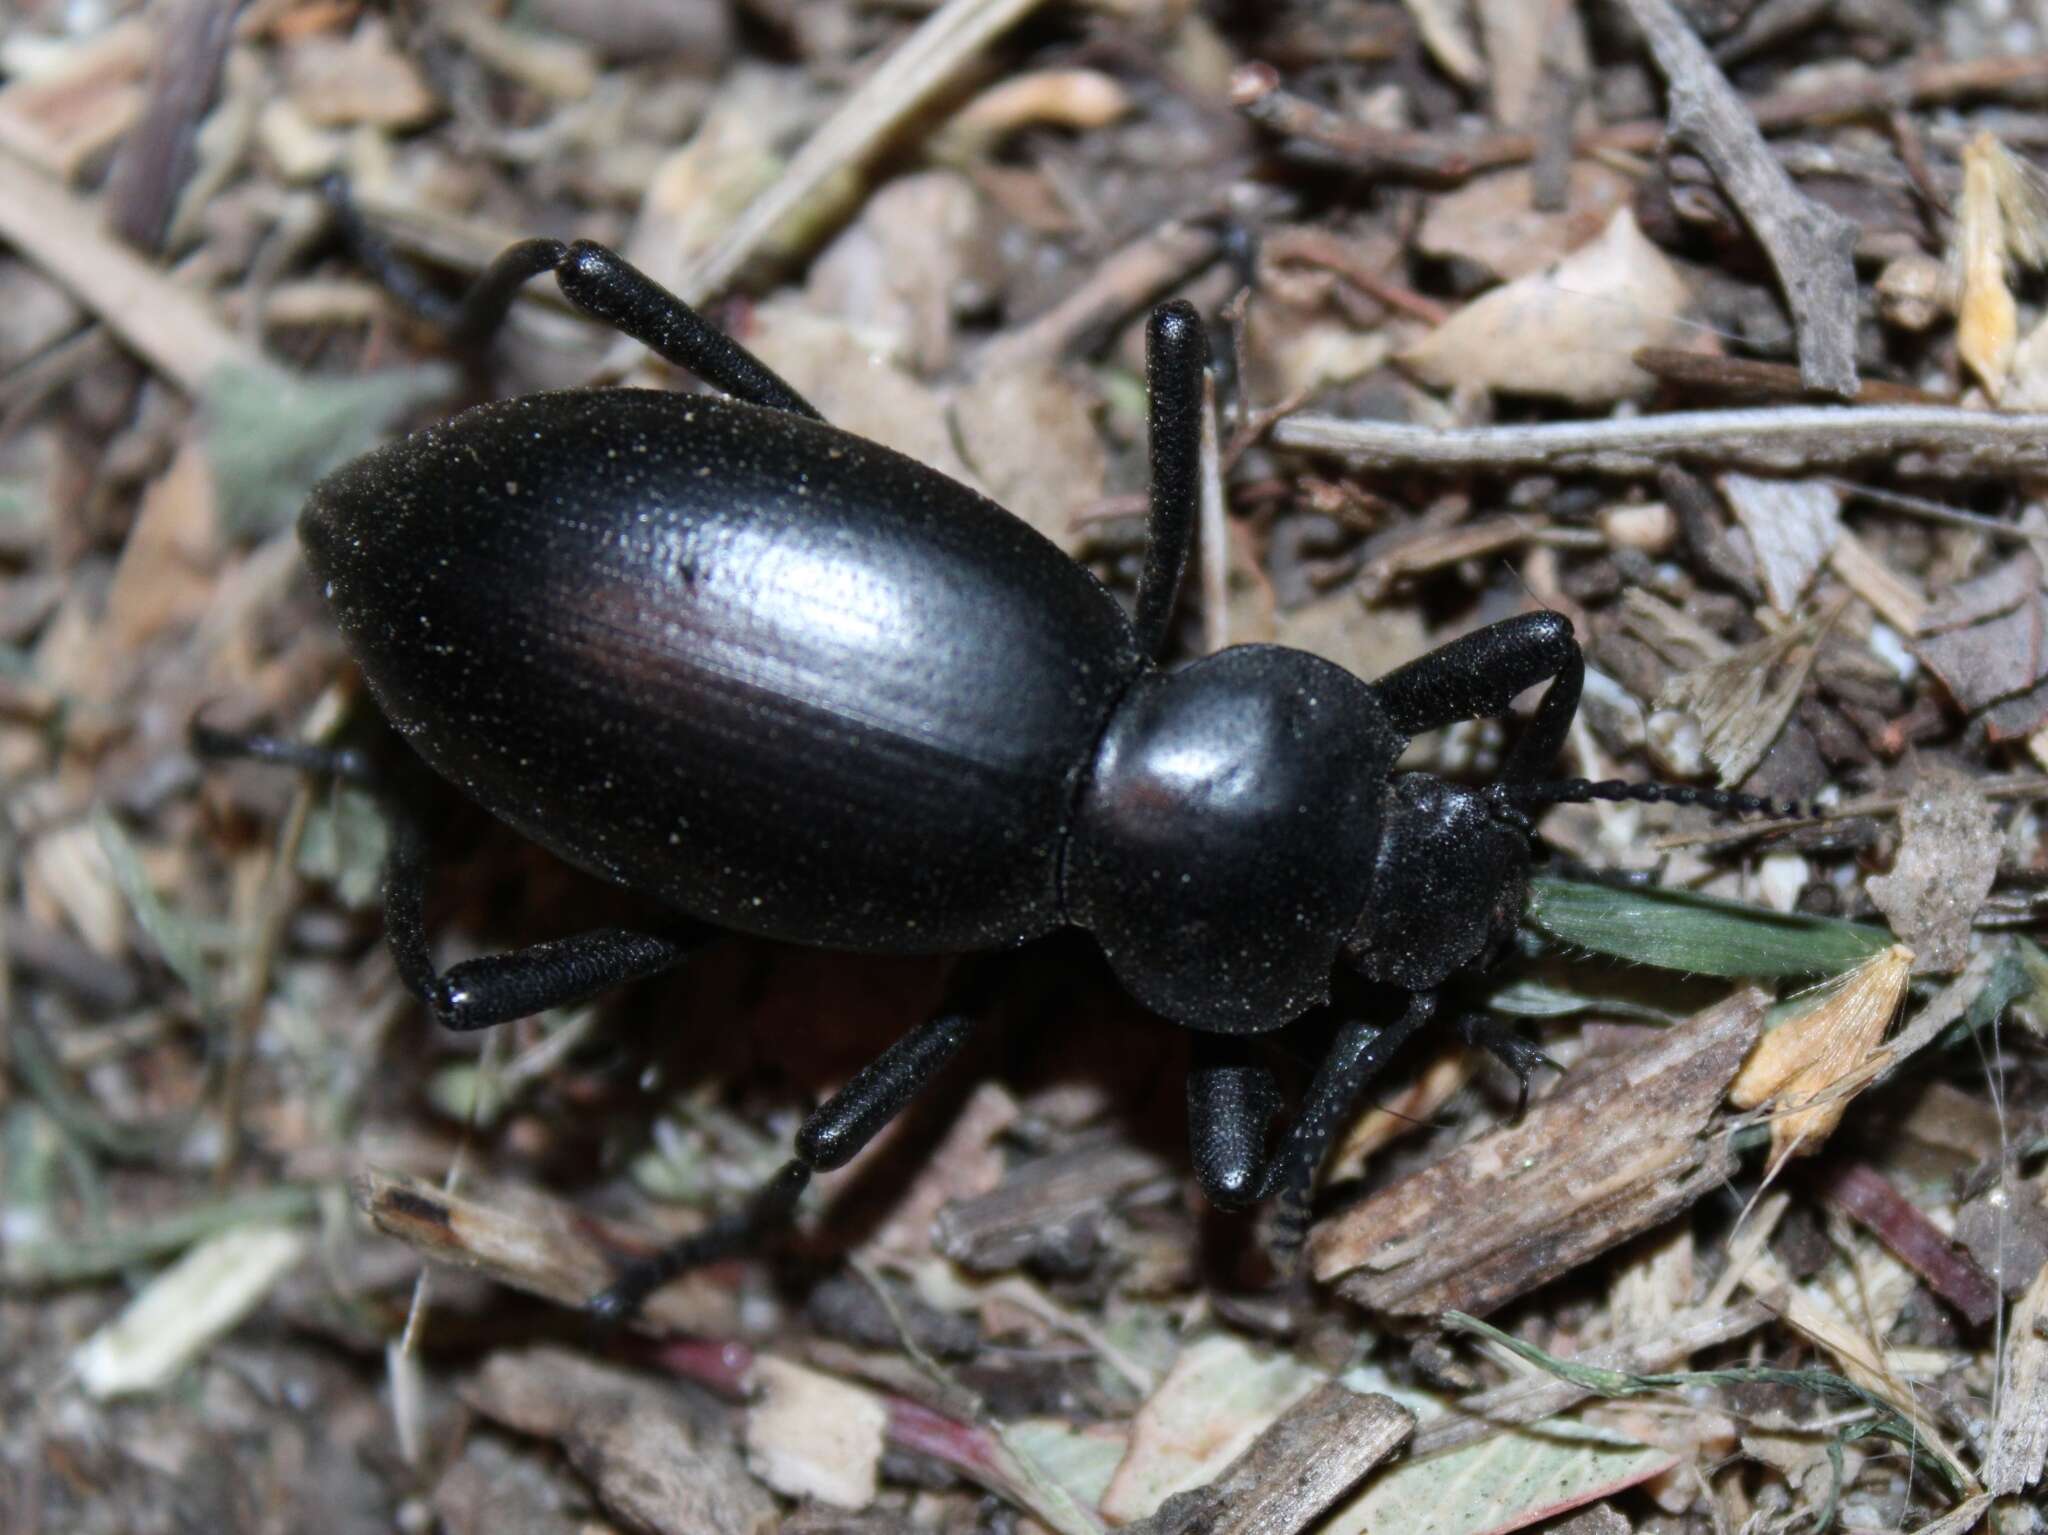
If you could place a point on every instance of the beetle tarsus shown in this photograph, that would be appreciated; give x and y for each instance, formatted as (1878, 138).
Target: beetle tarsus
(343, 763)
(772, 1207)
(1483, 1031)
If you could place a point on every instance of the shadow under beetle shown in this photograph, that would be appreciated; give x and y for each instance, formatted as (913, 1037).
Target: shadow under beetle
(787, 681)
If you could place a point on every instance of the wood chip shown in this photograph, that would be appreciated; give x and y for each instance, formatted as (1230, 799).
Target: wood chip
(890, 95)
(173, 329)
(1040, 1203)
(1432, 548)
(1309, 1458)
(966, 1162)
(361, 80)
(553, 66)
(649, 1459)
(1220, 1394)
(810, 1435)
(535, 1243)
(2019, 1434)
(60, 120)
(187, 1308)
(1610, 1154)
(1897, 601)
(1441, 24)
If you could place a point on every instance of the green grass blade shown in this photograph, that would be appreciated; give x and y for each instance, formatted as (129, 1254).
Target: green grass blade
(1676, 930)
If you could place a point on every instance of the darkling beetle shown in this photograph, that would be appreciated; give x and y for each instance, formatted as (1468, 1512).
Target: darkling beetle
(790, 682)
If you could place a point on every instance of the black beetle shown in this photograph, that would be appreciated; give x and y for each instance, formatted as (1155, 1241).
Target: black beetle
(790, 682)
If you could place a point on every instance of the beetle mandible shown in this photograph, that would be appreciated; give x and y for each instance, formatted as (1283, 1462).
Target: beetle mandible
(787, 681)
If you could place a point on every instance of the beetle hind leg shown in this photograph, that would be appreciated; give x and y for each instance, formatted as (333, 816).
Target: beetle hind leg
(492, 989)
(830, 1138)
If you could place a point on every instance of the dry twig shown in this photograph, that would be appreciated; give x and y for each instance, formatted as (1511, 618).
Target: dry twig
(1812, 247)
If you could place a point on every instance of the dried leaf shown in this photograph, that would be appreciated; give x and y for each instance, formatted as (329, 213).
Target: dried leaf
(1218, 1397)
(1491, 222)
(1567, 334)
(1947, 860)
(1792, 526)
(2003, 218)
(1300, 1464)
(1743, 701)
(1030, 434)
(859, 386)
(898, 271)
(1506, 1482)
(1810, 1067)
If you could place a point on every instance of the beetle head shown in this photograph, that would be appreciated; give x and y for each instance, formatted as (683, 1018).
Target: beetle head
(1448, 883)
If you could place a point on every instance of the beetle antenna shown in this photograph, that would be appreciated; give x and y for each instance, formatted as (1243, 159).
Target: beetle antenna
(1577, 791)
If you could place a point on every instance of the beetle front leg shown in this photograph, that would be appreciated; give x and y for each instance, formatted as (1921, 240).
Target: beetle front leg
(830, 1138)
(1176, 356)
(1479, 676)
(1358, 1054)
(1485, 1032)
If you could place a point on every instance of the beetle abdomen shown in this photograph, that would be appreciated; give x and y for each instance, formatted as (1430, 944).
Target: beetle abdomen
(781, 677)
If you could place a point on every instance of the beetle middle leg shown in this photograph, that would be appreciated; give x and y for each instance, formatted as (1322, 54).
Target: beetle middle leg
(596, 280)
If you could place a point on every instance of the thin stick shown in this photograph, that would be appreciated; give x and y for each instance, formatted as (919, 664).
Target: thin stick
(906, 80)
(1812, 247)
(1318, 133)
(1785, 439)
(173, 329)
